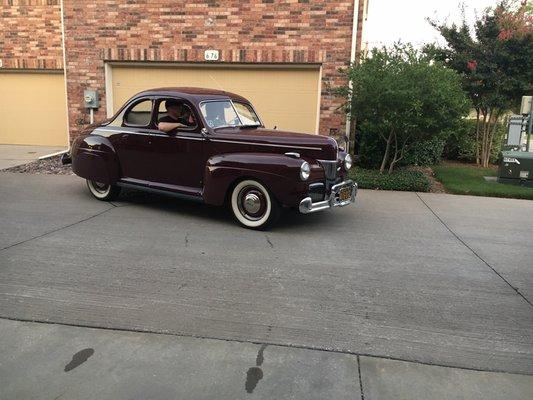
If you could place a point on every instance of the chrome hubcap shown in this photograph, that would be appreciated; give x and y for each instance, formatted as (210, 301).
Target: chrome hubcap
(100, 187)
(252, 203)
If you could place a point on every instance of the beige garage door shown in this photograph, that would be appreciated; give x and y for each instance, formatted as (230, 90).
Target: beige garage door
(33, 109)
(283, 97)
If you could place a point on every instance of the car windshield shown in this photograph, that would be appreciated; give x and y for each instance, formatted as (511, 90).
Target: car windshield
(224, 113)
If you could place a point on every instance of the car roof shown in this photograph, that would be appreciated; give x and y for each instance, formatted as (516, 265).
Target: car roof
(192, 93)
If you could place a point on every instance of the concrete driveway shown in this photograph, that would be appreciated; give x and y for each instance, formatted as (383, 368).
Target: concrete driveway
(12, 155)
(433, 279)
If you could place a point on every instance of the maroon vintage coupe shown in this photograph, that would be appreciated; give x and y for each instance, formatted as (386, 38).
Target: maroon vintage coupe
(211, 146)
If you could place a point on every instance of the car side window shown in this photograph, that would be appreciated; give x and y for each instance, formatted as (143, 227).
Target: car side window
(176, 111)
(140, 114)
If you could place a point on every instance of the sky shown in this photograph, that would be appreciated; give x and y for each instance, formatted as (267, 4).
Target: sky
(392, 20)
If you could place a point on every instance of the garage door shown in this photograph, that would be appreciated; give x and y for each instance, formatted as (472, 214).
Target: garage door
(33, 109)
(283, 97)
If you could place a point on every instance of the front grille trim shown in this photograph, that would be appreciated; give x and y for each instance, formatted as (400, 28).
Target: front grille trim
(330, 169)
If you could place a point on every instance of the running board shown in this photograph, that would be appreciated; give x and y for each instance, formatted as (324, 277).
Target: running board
(197, 198)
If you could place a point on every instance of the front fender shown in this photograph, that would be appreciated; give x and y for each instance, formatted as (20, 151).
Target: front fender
(278, 172)
(94, 158)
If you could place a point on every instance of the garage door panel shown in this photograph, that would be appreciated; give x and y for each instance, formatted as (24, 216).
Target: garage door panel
(286, 98)
(33, 109)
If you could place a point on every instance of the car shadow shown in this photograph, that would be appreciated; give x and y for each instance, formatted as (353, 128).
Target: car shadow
(290, 219)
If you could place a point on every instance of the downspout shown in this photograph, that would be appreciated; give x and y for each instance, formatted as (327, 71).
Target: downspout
(352, 60)
(65, 69)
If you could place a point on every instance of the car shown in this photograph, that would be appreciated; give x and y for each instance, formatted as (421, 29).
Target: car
(217, 152)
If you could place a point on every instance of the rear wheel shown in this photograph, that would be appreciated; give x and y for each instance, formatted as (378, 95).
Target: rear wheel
(103, 191)
(253, 206)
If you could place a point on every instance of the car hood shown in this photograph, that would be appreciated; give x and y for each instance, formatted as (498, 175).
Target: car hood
(315, 146)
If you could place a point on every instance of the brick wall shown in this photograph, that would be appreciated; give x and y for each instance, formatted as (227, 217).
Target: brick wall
(30, 34)
(265, 31)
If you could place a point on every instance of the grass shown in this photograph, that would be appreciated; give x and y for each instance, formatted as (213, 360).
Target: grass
(468, 179)
(404, 180)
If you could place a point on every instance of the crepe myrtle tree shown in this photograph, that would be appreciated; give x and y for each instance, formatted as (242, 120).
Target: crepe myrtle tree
(404, 96)
(494, 62)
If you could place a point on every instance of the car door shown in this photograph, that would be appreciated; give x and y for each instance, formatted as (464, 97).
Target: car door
(179, 160)
(133, 143)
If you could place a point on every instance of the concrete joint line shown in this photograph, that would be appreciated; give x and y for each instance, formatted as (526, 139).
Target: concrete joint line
(290, 346)
(473, 251)
(58, 229)
(360, 378)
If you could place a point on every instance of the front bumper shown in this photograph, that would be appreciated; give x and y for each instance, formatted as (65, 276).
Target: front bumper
(307, 206)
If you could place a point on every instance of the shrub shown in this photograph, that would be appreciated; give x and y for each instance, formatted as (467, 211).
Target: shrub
(426, 152)
(461, 144)
(402, 179)
(423, 153)
(404, 98)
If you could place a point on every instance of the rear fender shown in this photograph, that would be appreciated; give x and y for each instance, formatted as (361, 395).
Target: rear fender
(94, 158)
(278, 172)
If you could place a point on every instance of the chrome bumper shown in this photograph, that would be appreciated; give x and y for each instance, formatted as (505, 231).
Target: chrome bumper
(307, 206)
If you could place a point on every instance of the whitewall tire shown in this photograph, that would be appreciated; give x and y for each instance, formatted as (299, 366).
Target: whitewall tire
(103, 191)
(252, 205)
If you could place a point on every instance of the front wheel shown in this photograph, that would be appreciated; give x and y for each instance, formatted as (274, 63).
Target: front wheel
(103, 191)
(253, 206)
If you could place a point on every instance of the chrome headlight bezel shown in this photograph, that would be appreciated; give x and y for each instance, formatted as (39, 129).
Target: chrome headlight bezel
(305, 171)
(348, 162)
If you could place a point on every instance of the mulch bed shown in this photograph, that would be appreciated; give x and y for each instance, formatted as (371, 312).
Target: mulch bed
(436, 186)
(51, 165)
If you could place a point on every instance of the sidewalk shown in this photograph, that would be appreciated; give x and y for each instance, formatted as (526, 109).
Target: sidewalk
(48, 361)
(13, 155)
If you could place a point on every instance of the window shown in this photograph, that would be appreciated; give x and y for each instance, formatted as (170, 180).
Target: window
(140, 114)
(225, 113)
(246, 114)
(179, 112)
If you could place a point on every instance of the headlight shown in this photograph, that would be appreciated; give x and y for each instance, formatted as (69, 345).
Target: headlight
(348, 162)
(305, 171)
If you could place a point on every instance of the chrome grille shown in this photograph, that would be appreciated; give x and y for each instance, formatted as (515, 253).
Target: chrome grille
(330, 169)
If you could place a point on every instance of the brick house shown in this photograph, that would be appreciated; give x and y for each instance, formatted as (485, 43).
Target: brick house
(282, 55)
(31, 73)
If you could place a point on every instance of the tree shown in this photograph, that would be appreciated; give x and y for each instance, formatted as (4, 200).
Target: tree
(494, 63)
(404, 97)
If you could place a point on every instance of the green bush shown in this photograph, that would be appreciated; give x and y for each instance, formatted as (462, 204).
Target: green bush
(423, 153)
(402, 179)
(426, 152)
(371, 146)
(401, 99)
(461, 144)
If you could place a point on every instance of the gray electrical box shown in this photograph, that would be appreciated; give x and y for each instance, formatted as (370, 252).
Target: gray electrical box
(525, 106)
(90, 98)
(517, 126)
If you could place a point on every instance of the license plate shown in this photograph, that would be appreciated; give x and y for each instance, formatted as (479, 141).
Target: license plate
(345, 193)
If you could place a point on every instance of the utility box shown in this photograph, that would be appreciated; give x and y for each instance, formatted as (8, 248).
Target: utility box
(91, 99)
(525, 106)
(516, 167)
(516, 129)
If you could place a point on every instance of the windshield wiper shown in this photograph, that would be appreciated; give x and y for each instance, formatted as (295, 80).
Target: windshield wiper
(249, 126)
(225, 126)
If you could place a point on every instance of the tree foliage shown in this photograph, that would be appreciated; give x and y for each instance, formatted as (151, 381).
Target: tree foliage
(402, 96)
(494, 62)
